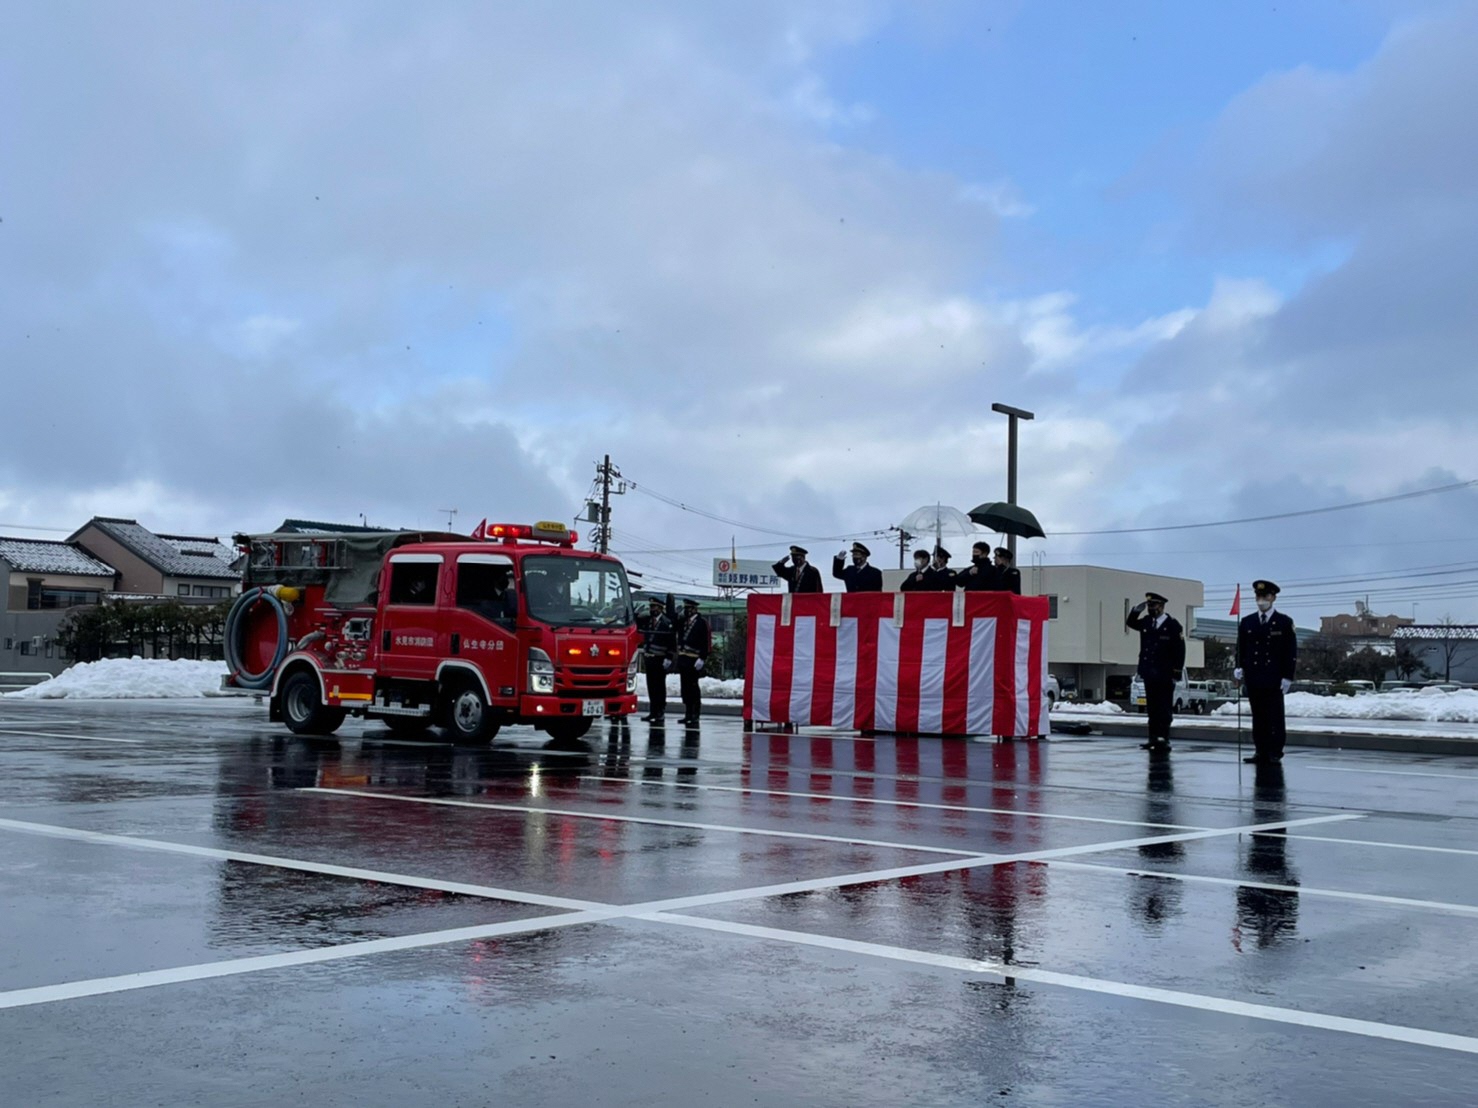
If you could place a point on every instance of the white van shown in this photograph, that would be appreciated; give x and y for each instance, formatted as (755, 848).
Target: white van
(1190, 696)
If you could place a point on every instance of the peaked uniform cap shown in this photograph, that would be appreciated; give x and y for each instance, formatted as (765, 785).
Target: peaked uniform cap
(799, 550)
(858, 548)
(1156, 597)
(1265, 588)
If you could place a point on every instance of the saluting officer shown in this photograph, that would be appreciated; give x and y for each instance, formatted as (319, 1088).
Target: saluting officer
(981, 575)
(800, 575)
(657, 647)
(921, 579)
(1267, 654)
(1161, 660)
(693, 643)
(859, 576)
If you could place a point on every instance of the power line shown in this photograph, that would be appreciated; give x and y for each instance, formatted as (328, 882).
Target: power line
(1279, 515)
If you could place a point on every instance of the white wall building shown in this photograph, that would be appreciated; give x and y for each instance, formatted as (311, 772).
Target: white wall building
(1089, 649)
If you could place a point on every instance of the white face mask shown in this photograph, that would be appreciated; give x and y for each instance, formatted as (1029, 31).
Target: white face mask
(1263, 604)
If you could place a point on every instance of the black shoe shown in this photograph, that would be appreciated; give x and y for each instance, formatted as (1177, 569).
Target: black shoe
(1155, 744)
(1255, 761)
(646, 719)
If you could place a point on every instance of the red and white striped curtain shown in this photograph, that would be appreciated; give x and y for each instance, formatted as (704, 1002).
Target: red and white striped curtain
(919, 662)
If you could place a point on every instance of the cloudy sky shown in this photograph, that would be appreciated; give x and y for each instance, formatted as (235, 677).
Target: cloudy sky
(777, 259)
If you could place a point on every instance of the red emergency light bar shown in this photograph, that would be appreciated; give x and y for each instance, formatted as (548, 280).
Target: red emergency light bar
(540, 532)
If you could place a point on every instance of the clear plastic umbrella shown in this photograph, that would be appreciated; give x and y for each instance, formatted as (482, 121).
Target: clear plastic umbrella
(939, 520)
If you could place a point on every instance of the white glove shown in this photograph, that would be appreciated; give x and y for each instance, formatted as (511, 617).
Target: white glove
(1237, 674)
(1285, 684)
(666, 663)
(698, 665)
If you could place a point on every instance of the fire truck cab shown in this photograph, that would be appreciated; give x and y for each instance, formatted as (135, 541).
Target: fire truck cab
(419, 629)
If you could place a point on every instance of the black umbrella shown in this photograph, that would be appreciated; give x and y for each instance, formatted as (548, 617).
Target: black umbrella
(1009, 519)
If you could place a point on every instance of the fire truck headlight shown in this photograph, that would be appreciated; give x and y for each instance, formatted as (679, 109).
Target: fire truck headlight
(541, 672)
(631, 671)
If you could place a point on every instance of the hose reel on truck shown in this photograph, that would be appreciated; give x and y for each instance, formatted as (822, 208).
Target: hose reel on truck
(240, 621)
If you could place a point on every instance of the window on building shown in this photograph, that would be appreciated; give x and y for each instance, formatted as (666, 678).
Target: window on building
(184, 590)
(33, 593)
(9, 644)
(25, 646)
(1051, 606)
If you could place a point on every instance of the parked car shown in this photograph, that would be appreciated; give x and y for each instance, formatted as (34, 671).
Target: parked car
(1444, 686)
(1399, 686)
(1053, 690)
(1190, 696)
(1360, 688)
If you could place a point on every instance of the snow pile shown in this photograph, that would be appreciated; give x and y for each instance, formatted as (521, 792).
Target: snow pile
(1062, 708)
(128, 679)
(1429, 705)
(709, 688)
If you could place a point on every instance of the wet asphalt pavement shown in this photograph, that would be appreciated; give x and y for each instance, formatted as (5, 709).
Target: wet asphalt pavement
(202, 909)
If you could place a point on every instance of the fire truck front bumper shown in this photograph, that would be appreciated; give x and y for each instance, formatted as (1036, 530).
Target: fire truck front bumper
(569, 707)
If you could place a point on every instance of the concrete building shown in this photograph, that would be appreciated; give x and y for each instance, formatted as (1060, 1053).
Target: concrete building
(1089, 650)
(1361, 625)
(44, 581)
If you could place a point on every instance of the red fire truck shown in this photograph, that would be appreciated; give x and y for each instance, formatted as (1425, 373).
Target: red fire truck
(418, 629)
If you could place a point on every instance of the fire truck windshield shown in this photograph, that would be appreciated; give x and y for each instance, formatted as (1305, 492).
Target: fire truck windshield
(582, 592)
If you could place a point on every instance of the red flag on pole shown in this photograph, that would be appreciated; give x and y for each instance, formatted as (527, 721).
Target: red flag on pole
(481, 530)
(1237, 602)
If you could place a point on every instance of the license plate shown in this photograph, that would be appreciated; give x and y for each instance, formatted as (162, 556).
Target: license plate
(594, 708)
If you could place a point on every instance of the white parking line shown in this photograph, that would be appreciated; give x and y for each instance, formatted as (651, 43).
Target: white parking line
(1302, 890)
(1385, 846)
(71, 990)
(581, 911)
(613, 817)
(1367, 1028)
(1387, 772)
(164, 845)
(748, 789)
(60, 735)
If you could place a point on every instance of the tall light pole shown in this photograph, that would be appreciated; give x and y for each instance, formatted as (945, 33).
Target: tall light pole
(1012, 414)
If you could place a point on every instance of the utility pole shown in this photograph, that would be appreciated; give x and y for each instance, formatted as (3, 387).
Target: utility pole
(1012, 414)
(605, 472)
(904, 538)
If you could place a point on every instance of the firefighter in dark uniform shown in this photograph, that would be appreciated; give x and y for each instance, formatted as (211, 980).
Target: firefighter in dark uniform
(921, 579)
(693, 643)
(941, 577)
(981, 575)
(657, 649)
(859, 576)
(1161, 660)
(1008, 577)
(1267, 654)
(800, 575)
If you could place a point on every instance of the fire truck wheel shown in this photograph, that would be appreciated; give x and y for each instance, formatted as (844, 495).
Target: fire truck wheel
(302, 709)
(468, 716)
(568, 730)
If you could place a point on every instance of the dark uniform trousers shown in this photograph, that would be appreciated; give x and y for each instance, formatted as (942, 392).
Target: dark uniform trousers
(1159, 701)
(1268, 730)
(656, 686)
